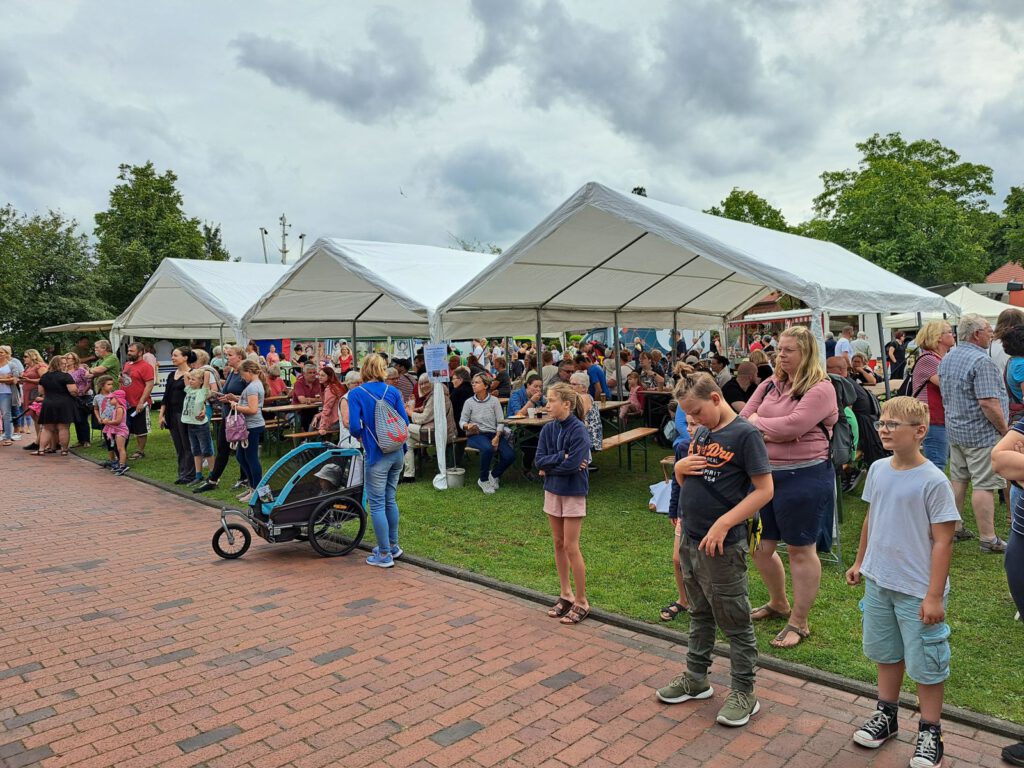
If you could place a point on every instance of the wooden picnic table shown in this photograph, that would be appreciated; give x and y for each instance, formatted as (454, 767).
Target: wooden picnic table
(878, 390)
(291, 407)
(526, 421)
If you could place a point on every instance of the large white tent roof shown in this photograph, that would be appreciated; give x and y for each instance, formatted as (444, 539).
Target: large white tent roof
(966, 302)
(191, 299)
(654, 264)
(385, 288)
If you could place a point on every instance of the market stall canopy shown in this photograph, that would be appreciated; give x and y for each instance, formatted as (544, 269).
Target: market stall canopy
(966, 302)
(385, 288)
(192, 299)
(653, 264)
(83, 327)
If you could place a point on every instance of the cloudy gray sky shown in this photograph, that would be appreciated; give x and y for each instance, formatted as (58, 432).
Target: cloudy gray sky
(407, 120)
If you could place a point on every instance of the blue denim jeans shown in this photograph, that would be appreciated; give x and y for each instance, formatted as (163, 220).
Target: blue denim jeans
(249, 457)
(936, 447)
(200, 440)
(5, 414)
(506, 454)
(381, 486)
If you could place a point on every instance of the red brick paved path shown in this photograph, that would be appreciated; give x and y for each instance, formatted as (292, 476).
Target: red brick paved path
(125, 641)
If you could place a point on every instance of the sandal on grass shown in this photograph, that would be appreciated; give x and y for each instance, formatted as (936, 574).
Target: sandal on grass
(769, 613)
(801, 634)
(575, 615)
(138, 455)
(672, 610)
(559, 609)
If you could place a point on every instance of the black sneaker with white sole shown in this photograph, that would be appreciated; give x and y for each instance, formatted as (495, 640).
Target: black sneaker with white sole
(878, 728)
(928, 753)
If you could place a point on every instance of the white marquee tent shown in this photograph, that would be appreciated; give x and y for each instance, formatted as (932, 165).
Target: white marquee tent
(342, 287)
(191, 299)
(966, 302)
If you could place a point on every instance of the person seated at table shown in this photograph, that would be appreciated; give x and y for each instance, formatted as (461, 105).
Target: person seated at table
(764, 369)
(859, 370)
(481, 420)
(739, 388)
(422, 423)
(517, 368)
(307, 390)
(598, 381)
(580, 382)
(406, 381)
(658, 362)
(624, 368)
(277, 384)
(635, 401)
(565, 369)
(720, 369)
(530, 395)
(327, 420)
(501, 385)
(650, 379)
(474, 365)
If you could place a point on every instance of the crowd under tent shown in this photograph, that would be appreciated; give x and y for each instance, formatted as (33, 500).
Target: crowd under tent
(193, 299)
(966, 301)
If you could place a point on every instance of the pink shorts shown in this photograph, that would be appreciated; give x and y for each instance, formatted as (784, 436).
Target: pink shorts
(565, 506)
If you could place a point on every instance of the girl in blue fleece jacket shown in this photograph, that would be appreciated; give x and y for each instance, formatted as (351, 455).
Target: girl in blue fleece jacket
(563, 455)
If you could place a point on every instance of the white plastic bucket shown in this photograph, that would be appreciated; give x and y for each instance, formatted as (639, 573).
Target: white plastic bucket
(456, 477)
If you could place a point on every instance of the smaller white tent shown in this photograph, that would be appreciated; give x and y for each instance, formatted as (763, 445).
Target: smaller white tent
(191, 299)
(82, 327)
(966, 300)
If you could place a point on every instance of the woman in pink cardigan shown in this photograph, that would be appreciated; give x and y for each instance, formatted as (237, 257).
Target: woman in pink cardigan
(795, 410)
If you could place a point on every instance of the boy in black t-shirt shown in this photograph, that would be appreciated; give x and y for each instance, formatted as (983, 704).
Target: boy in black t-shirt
(725, 480)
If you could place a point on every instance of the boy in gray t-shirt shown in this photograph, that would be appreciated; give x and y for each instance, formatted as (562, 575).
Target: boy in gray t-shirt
(906, 545)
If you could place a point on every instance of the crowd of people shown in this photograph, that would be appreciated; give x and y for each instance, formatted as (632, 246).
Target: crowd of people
(754, 467)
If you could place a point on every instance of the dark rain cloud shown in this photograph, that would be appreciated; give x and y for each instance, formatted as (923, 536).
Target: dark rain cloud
(391, 76)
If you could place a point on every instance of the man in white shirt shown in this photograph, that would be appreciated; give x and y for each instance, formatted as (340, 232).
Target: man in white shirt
(844, 347)
(861, 345)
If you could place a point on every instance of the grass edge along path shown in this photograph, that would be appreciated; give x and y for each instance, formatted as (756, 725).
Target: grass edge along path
(505, 538)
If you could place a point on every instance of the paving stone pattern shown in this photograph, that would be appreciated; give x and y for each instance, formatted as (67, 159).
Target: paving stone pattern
(154, 652)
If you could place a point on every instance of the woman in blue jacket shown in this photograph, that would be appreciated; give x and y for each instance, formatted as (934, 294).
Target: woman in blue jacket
(563, 455)
(382, 469)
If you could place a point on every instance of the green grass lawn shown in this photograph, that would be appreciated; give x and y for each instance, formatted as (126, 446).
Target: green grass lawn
(628, 550)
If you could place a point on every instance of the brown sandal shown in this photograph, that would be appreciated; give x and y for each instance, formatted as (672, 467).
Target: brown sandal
(559, 609)
(802, 634)
(769, 613)
(575, 615)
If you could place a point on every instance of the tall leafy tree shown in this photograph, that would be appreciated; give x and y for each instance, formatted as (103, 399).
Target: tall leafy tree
(48, 274)
(914, 208)
(144, 224)
(1008, 231)
(743, 205)
(213, 245)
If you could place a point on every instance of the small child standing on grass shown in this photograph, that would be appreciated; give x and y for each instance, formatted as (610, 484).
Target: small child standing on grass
(563, 455)
(725, 479)
(681, 446)
(906, 544)
(103, 407)
(115, 425)
(193, 413)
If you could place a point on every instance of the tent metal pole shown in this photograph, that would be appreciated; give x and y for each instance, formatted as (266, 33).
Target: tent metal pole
(885, 367)
(355, 360)
(540, 346)
(675, 344)
(618, 363)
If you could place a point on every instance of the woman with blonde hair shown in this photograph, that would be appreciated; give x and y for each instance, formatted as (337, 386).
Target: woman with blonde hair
(934, 340)
(795, 410)
(383, 459)
(35, 367)
(764, 368)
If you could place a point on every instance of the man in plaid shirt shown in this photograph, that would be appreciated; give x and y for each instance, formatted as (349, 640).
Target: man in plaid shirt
(974, 398)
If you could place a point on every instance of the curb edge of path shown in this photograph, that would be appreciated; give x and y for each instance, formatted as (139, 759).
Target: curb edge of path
(951, 712)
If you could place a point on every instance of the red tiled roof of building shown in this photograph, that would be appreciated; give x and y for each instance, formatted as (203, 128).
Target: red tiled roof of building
(1006, 273)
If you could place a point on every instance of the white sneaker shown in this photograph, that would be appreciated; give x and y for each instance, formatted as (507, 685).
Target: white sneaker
(17, 436)
(485, 486)
(494, 482)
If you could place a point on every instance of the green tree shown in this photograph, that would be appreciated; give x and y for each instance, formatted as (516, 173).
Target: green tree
(641, 191)
(144, 224)
(213, 246)
(48, 274)
(477, 246)
(913, 208)
(743, 205)
(1008, 231)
